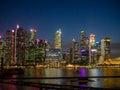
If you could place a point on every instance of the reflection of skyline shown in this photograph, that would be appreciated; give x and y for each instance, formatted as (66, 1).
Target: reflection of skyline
(97, 82)
(94, 82)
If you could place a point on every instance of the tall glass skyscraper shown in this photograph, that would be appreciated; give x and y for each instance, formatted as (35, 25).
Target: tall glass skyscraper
(84, 54)
(58, 42)
(20, 45)
(58, 39)
(105, 50)
(10, 47)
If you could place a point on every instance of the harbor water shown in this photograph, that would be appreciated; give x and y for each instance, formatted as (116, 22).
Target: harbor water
(111, 82)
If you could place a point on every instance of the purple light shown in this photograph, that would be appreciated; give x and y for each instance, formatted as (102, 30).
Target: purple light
(82, 50)
(83, 72)
(13, 31)
(38, 41)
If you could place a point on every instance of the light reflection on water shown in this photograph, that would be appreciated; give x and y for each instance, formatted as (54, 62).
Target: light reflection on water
(59, 72)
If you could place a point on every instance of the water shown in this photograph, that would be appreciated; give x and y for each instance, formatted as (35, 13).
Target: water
(67, 72)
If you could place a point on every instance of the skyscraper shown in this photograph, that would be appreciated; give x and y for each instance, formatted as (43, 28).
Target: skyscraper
(10, 47)
(2, 49)
(105, 50)
(84, 48)
(30, 50)
(58, 39)
(92, 50)
(75, 50)
(83, 40)
(20, 45)
(32, 37)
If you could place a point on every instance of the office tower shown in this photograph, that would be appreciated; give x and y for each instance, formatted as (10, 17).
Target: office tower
(32, 37)
(75, 51)
(40, 51)
(92, 49)
(92, 39)
(2, 50)
(20, 45)
(105, 50)
(84, 54)
(10, 47)
(30, 50)
(58, 39)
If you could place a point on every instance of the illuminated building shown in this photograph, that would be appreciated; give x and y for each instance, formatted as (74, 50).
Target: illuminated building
(92, 38)
(10, 47)
(84, 48)
(32, 37)
(40, 51)
(53, 54)
(92, 49)
(13, 47)
(20, 45)
(105, 50)
(75, 50)
(30, 50)
(2, 48)
(53, 57)
(58, 40)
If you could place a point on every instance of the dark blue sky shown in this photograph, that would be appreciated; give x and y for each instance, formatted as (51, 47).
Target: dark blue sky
(101, 17)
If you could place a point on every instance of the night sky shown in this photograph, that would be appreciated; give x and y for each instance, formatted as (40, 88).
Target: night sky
(100, 17)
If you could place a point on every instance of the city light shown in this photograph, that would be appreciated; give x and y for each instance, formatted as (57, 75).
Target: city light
(38, 41)
(13, 31)
(92, 38)
(33, 30)
(18, 26)
(108, 40)
(94, 50)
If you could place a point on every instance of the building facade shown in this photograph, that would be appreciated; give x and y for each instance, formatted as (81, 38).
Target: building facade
(105, 50)
(58, 39)
(84, 50)
(20, 45)
(75, 51)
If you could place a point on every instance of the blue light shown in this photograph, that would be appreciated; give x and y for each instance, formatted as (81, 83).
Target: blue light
(97, 42)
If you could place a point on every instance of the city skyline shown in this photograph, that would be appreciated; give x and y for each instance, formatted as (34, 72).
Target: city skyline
(100, 17)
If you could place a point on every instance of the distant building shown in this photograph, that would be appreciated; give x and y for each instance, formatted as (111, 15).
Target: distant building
(92, 49)
(84, 50)
(10, 47)
(32, 37)
(75, 51)
(105, 50)
(53, 54)
(2, 49)
(58, 39)
(20, 45)
(40, 51)
(30, 47)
